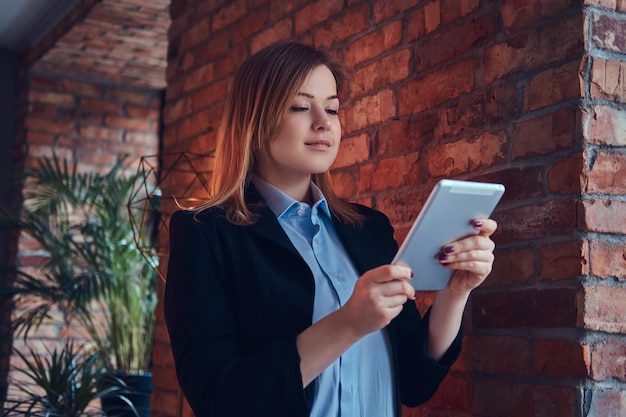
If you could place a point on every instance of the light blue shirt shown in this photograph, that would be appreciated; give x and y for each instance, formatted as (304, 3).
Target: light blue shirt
(360, 382)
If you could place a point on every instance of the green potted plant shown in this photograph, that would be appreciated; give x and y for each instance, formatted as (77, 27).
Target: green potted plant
(82, 222)
(66, 381)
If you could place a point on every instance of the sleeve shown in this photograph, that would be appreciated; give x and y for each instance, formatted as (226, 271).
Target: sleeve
(418, 375)
(215, 376)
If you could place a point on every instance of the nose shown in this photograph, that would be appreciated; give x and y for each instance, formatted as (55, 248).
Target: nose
(322, 122)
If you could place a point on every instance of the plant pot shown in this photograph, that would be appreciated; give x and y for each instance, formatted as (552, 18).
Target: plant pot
(139, 388)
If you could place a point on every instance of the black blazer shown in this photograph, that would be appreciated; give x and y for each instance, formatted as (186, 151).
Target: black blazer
(237, 297)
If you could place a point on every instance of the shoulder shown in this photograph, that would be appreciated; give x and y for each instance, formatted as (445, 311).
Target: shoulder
(196, 219)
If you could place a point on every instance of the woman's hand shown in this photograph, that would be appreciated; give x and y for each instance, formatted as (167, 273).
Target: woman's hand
(378, 297)
(471, 258)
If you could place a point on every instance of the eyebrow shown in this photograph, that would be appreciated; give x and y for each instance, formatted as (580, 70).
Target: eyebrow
(333, 97)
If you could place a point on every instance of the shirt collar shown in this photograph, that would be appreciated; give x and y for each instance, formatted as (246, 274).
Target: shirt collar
(279, 202)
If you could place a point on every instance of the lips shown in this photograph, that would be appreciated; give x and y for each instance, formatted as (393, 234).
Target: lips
(318, 144)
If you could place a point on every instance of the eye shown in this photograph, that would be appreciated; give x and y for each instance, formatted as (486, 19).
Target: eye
(332, 112)
(298, 109)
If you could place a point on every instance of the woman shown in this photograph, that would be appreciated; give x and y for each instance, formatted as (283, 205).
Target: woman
(280, 300)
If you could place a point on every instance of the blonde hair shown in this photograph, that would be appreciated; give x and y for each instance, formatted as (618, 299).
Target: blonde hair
(262, 92)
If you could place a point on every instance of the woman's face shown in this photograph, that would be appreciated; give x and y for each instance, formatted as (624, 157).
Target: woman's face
(308, 140)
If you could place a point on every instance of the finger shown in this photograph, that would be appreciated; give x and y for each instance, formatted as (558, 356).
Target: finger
(476, 242)
(479, 268)
(471, 255)
(397, 287)
(485, 227)
(387, 273)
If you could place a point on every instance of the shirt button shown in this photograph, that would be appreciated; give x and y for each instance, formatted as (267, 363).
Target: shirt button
(317, 241)
(339, 278)
(300, 211)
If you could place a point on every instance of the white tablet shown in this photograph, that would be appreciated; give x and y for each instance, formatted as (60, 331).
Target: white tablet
(445, 218)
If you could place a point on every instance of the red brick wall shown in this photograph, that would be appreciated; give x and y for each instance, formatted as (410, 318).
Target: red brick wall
(529, 93)
(91, 123)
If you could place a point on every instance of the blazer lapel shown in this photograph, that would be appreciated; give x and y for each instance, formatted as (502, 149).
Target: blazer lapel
(267, 226)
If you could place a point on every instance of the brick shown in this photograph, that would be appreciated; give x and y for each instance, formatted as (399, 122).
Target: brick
(353, 151)
(607, 260)
(249, 24)
(607, 360)
(552, 87)
(520, 183)
(551, 42)
(129, 123)
(435, 88)
(404, 135)
(454, 393)
(345, 184)
(207, 52)
(143, 113)
(229, 13)
(464, 156)
(531, 308)
(402, 205)
(555, 217)
(39, 138)
(560, 359)
(382, 72)
(607, 174)
(511, 267)
(416, 26)
(458, 40)
(567, 260)
(522, 13)
(603, 216)
(432, 16)
(224, 67)
(315, 13)
(567, 176)
(518, 399)
(604, 125)
(42, 82)
(177, 110)
(452, 10)
(280, 9)
(100, 106)
(390, 173)
(473, 112)
(605, 401)
(100, 132)
(80, 88)
(604, 309)
(338, 29)
(374, 44)
(495, 355)
(280, 31)
(208, 96)
(199, 77)
(129, 96)
(544, 134)
(51, 97)
(369, 111)
(608, 31)
(608, 80)
(384, 10)
(49, 126)
(46, 111)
